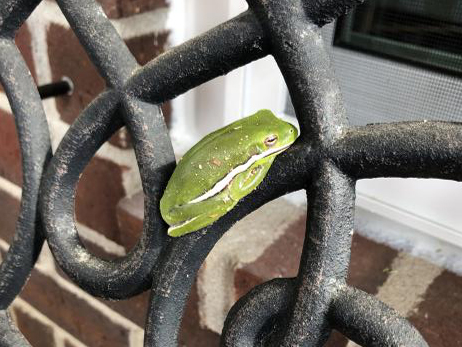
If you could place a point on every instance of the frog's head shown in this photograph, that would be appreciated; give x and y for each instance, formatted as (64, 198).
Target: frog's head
(271, 135)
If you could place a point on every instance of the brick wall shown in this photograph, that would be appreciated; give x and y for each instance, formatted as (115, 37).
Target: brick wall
(52, 311)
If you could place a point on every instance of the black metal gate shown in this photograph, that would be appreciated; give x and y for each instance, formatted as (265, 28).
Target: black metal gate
(326, 160)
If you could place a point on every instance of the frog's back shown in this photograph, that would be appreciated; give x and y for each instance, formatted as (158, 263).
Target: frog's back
(201, 167)
(210, 160)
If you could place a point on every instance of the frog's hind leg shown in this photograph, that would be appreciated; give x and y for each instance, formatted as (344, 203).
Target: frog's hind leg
(200, 214)
(193, 224)
(183, 228)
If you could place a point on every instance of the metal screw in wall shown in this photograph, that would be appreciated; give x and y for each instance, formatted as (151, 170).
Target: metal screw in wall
(54, 89)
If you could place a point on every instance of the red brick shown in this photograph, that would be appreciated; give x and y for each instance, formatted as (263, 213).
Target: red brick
(111, 8)
(147, 47)
(124, 8)
(144, 48)
(99, 190)
(123, 139)
(9, 208)
(336, 339)
(10, 154)
(191, 333)
(439, 316)
(68, 58)
(135, 308)
(73, 313)
(37, 333)
(23, 42)
(369, 260)
(130, 212)
(281, 259)
(167, 113)
(369, 264)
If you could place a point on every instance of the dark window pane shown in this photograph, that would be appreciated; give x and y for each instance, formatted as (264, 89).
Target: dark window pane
(428, 33)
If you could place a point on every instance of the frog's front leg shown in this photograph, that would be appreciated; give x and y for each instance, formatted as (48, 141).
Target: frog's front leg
(248, 180)
(187, 218)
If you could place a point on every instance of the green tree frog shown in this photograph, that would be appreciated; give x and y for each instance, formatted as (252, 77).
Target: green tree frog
(221, 169)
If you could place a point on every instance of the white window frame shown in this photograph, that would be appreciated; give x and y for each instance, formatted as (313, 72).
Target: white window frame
(406, 204)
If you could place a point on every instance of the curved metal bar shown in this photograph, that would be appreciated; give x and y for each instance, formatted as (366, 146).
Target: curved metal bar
(179, 262)
(298, 48)
(154, 151)
(412, 149)
(257, 315)
(325, 160)
(34, 139)
(369, 322)
(326, 11)
(325, 258)
(13, 13)
(130, 275)
(220, 50)
(102, 43)
(119, 278)
(10, 336)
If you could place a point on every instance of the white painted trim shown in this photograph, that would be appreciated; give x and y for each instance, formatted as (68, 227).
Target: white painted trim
(48, 12)
(409, 219)
(142, 24)
(180, 23)
(235, 101)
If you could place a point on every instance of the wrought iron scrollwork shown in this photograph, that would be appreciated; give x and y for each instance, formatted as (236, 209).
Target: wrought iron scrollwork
(327, 160)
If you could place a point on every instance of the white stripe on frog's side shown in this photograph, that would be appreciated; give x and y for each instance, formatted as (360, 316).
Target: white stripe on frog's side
(222, 184)
(176, 226)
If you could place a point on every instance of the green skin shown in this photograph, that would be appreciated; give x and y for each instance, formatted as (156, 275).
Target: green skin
(212, 160)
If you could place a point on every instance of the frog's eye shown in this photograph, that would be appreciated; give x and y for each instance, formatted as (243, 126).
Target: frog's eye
(271, 140)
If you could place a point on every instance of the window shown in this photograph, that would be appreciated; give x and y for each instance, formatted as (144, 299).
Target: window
(424, 32)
